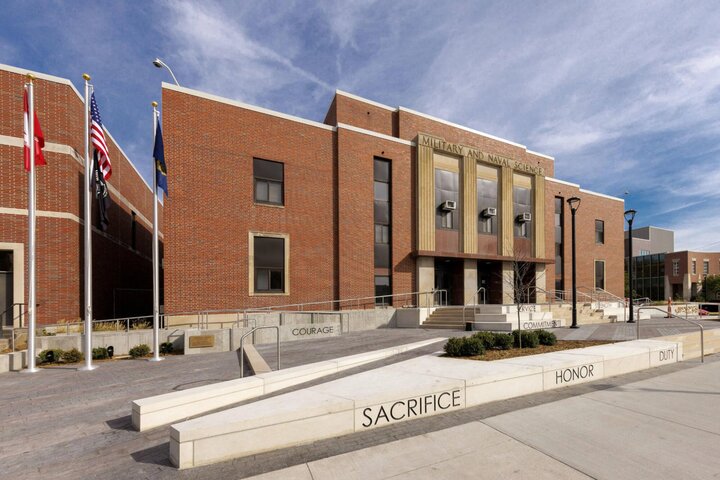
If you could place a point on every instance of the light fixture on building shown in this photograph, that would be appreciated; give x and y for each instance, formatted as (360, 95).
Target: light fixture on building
(574, 203)
(160, 64)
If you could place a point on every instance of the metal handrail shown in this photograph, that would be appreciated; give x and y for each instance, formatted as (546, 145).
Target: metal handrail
(242, 347)
(702, 329)
(475, 303)
(11, 309)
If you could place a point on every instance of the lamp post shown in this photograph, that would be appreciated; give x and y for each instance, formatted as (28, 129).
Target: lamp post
(630, 216)
(160, 64)
(574, 203)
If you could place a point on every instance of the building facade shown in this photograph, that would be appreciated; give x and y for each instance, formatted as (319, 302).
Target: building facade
(122, 263)
(269, 209)
(650, 240)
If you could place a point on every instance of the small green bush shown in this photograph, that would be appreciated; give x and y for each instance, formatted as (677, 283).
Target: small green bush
(56, 356)
(546, 338)
(464, 347)
(529, 338)
(100, 353)
(141, 350)
(504, 341)
(72, 356)
(166, 348)
(487, 338)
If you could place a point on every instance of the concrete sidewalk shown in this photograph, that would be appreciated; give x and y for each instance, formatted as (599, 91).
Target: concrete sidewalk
(662, 427)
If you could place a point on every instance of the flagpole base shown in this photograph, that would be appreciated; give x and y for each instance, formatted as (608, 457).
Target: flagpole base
(87, 368)
(155, 359)
(30, 370)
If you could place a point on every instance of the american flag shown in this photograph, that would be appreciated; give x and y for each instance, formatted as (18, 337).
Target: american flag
(98, 139)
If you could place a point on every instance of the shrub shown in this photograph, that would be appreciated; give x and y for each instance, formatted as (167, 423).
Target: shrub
(166, 348)
(546, 338)
(55, 356)
(100, 353)
(529, 338)
(504, 341)
(72, 356)
(487, 339)
(141, 325)
(464, 347)
(141, 350)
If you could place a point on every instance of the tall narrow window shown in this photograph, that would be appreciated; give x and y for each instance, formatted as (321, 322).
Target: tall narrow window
(269, 181)
(133, 230)
(600, 274)
(383, 231)
(675, 267)
(706, 267)
(487, 200)
(599, 232)
(522, 206)
(694, 267)
(269, 258)
(447, 195)
(559, 254)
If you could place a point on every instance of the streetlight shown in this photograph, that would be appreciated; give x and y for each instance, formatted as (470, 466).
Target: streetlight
(630, 216)
(160, 64)
(574, 203)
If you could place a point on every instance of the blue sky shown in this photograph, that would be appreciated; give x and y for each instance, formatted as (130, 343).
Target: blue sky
(625, 95)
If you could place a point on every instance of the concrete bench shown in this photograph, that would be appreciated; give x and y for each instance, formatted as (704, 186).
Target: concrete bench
(170, 407)
(415, 388)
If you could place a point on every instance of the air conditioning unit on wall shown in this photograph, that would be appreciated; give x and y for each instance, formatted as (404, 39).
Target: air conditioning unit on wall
(489, 212)
(524, 217)
(448, 205)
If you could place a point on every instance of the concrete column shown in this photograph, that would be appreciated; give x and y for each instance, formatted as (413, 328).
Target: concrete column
(470, 280)
(687, 284)
(469, 217)
(426, 279)
(508, 283)
(426, 198)
(540, 283)
(668, 288)
(506, 235)
(539, 216)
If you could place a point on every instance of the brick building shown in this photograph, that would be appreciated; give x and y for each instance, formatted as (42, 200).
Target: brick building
(122, 255)
(270, 209)
(679, 275)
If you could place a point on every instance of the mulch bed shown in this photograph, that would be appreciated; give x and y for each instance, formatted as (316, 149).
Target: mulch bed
(517, 352)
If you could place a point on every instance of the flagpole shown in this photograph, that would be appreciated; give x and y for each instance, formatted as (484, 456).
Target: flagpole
(155, 252)
(31, 228)
(88, 234)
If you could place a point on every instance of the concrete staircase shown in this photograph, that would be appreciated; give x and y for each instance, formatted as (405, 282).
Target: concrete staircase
(505, 318)
(448, 318)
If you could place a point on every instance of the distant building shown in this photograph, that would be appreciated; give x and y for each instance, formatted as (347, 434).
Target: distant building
(650, 240)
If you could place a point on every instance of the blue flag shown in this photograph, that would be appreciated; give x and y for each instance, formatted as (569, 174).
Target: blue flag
(159, 156)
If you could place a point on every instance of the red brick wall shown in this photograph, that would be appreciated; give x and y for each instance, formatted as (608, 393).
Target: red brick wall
(212, 207)
(60, 290)
(592, 207)
(363, 115)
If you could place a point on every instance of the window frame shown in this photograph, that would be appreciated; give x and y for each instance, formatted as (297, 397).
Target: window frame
(259, 179)
(599, 233)
(253, 269)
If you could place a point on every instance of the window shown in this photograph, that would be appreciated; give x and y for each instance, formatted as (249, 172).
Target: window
(269, 258)
(268, 181)
(599, 232)
(382, 212)
(694, 267)
(600, 274)
(133, 230)
(706, 267)
(522, 203)
(487, 193)
(675, 267)
(382, 287)
(447, 187)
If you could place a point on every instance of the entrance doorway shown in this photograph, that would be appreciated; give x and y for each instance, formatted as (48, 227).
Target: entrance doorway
(490, 278)
(6, 288)
(449, 276)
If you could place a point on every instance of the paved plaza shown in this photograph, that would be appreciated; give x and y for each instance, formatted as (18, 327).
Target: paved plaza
(60, 423)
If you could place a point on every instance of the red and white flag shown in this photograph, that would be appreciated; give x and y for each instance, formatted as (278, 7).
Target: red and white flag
(98, 139)
(39, 139)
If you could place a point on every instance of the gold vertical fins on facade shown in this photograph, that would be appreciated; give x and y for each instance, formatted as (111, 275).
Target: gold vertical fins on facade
(469, 205)
(426, 198)
(505, 239)
(539, 216)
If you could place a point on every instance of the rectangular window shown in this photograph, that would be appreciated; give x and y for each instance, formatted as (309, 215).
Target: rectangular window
(676, 267)
(133, 230)
(269, 181)
(447, 188)
(382, 196)
(382, 287)
(706, 267)
(600, 274)
(269, 259)
(599, 232)
(694, 267)
(559, 254)
(487, 198)
(522, 204)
